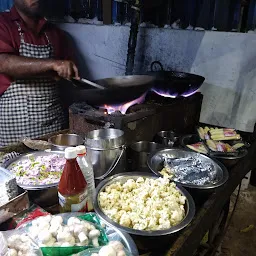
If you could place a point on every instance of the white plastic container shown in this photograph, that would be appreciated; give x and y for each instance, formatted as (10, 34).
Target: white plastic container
(87, 169)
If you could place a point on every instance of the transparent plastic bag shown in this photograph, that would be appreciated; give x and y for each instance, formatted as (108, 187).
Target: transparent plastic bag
(34, 248)
(90, 251)
(67, 251)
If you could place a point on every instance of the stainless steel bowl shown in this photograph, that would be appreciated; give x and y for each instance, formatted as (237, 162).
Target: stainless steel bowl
(156, 164)
(42, 195)
(62, 141)
(122, 178)
(8, 165)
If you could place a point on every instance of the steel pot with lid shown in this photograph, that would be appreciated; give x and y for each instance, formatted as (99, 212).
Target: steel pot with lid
(107, 151)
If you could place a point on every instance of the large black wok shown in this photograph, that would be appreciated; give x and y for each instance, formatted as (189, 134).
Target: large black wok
(117, 90)
(174, 83)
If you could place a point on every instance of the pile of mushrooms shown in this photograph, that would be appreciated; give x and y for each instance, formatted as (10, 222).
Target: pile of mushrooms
(50, 231)
(114, 248)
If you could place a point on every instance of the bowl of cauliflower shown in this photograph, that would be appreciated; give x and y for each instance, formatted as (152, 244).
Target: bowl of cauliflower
(143, 205)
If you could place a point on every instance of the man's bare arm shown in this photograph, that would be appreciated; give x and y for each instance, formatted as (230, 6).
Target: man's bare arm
(23, 67)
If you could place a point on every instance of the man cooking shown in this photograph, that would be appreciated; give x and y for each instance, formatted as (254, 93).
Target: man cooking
(32, 56)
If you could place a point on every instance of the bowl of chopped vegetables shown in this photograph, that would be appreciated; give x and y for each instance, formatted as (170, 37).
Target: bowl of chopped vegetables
(145, 206)
(38, 170)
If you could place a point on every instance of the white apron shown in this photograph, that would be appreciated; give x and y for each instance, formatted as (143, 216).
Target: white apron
(30, 107)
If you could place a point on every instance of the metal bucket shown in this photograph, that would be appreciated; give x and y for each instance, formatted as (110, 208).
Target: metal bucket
(107, 152)
(138, 153)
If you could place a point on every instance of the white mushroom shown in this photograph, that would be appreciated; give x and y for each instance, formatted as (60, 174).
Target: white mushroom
(12, 240)
(118, 246)
(87, 225)
(121, 253)
(24, 239)
(25, 248)
(30, 254)
(55, 229)
(71, 229)
(94, 235)
(56, 220)
(78, 228)
(64, 237)
(72, 221)
(20, 253)
(17, 245)
(57, 244)
(107, 251)
(44, 236)
(72, 241)
(66, 244)
(95, 254)
(33, 231)
(66, 229)
(47, 218)
(83, 238)
(50, 243)
(12, 252)
(44, 225)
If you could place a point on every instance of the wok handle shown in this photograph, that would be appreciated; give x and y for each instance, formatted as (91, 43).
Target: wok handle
(156, 66)
(113, 165)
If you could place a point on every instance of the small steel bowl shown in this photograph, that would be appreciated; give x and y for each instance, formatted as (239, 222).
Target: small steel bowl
(62, 141)
(168, 138)
(122, 178)
(156, 164)
(138, 153)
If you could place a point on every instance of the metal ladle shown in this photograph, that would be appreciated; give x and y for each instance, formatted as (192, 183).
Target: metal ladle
(84, 81)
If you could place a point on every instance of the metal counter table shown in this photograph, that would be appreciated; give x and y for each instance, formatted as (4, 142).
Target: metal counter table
(190, 238)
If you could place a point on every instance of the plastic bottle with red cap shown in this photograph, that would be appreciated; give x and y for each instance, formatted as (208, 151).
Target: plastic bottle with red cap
(72, 190)
(87, 169)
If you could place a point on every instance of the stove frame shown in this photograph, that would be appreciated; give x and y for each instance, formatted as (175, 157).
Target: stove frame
(142, 121)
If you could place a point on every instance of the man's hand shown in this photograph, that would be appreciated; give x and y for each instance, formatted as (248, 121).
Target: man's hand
(23, 67)
(66, 69)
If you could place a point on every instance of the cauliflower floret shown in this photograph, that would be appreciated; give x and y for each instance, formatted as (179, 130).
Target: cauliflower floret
(125, 220)
(176, 217)
(182, 200)
(140, 180)
(141, 225)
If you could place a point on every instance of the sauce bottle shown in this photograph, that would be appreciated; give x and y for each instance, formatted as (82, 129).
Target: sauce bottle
(87, 169)
(72, 190)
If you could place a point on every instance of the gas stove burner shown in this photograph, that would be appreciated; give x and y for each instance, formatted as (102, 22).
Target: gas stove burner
(168, 94)
(122, 108)
(164, 94)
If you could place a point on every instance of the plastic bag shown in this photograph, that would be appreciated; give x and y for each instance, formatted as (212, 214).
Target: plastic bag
(67, 251)
(3, 245)
(90, 251)
(34, 248)
(27, 216)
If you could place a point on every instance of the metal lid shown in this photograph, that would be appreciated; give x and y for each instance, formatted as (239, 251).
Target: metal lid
(105, 139)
